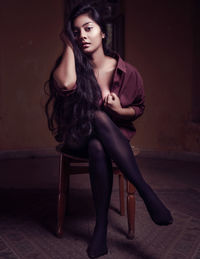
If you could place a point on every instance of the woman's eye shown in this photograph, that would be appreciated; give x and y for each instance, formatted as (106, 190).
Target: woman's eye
(88, 28)
(75, 33)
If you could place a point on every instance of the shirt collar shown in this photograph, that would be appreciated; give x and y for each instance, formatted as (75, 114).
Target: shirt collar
(120, 62)
(119, 70)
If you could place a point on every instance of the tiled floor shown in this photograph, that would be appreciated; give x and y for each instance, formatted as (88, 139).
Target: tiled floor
(28, 213)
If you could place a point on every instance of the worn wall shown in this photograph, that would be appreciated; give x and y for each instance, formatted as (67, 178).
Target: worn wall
(29, 45)
(159, 42)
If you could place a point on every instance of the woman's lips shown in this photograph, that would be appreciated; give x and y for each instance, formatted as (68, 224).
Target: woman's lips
(85, 45)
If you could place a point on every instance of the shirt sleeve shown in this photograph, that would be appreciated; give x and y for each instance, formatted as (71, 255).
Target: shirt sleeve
(138, 98)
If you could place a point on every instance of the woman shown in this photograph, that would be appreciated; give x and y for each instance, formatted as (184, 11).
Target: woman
(96, 96)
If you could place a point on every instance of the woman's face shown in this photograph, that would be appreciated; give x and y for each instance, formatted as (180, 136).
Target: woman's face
(88, 34)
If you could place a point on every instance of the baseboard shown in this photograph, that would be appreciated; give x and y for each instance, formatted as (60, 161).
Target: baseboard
(28, 153)
(144, 153)
(170, 155)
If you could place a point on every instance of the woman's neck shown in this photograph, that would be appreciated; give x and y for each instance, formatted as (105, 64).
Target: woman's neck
(98, 59)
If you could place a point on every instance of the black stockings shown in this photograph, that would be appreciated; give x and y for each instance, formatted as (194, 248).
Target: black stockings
(109, 143)
(117, 146)
(101, 179)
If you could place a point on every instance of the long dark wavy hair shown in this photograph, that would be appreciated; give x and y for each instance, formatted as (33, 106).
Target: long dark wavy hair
(73, 114)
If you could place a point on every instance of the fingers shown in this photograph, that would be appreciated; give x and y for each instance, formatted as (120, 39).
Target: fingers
(63, 36)
(108, 99)
(114, 96)
(65, 39)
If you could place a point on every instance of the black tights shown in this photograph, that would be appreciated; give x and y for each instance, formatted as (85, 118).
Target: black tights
(106, 144)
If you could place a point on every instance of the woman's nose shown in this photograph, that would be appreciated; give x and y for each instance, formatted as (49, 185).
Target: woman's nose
(83, 34)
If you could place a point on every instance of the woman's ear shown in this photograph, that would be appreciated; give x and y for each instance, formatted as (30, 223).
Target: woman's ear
(103, 35)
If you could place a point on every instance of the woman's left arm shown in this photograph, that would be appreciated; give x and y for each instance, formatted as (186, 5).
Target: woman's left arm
(113, 105)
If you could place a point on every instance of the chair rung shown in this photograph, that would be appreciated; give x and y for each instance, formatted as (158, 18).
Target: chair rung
(79, 164)
(77, 170)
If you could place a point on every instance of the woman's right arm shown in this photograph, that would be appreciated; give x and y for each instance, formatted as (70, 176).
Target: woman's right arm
(65, 73)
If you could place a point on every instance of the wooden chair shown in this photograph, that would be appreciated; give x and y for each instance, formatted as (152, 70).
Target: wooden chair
(70, 165)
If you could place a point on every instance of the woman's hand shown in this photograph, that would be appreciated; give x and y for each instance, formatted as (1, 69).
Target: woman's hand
(113, 106)
(65, 39)
(112, 102)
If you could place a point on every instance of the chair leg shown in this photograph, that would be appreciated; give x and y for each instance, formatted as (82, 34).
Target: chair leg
(121, 194)
(131, 210)
(67, 193)
(63, 183)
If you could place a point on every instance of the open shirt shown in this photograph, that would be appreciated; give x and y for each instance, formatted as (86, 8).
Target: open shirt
(127, 84)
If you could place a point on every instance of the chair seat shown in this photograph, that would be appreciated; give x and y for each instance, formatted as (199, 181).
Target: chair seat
(76, 161)
(71, 154)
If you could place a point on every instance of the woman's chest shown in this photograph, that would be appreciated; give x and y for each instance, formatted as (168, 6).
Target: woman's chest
(105, 80)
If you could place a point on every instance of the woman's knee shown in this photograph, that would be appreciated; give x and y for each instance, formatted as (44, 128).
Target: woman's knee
(101, 119)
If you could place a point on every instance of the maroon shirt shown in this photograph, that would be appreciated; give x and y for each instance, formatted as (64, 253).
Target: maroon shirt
(127, 84)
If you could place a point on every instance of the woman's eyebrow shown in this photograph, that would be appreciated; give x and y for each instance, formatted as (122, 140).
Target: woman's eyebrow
(82, 25)
(86, 23)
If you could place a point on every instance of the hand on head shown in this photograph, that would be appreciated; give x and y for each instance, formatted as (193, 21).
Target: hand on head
(65, 39)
